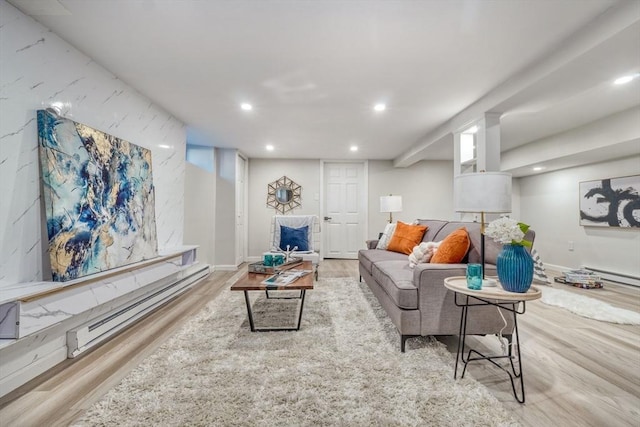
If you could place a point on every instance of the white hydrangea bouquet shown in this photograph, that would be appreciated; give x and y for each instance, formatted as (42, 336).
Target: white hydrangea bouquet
(506, 230)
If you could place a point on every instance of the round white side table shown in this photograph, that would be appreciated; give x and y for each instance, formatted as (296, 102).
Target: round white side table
(504, 300)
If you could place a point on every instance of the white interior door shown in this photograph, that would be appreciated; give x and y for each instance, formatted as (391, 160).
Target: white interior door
(240, 193)
(344, 209)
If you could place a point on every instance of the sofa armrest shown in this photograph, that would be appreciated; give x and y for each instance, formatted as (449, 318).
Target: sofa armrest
(371, 244)
(440, 316)
(437, 303)
(432, 275)
(429, 279)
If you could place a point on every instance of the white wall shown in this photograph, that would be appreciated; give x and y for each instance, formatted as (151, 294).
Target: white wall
(516, 205)
(306, 173)
(225, 209)
(199, 205)
(549, 203)
(426, 188)
(37, 69)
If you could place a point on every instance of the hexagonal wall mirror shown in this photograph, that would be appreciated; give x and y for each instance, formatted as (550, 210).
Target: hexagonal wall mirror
(283, 195)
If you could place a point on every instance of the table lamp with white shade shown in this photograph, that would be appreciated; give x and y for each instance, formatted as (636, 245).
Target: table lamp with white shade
(483, 192)
(390, 204)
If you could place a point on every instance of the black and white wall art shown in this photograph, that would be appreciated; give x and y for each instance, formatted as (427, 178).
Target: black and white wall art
(613, 202)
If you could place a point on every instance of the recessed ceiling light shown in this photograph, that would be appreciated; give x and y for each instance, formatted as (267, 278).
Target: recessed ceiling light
(625, 79)
(269, 147)
(164, 146)
(380, 107)
(538, 168)
(354, 148)
(246, 106)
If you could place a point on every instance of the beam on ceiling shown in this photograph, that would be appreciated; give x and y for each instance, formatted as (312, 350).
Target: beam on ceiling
(607, 25)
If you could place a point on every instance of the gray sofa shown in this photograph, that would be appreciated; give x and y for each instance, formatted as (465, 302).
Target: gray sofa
(415, 298)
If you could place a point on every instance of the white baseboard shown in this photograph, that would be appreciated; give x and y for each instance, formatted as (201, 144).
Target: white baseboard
(224, 267)
(86, 336)
(614, 277)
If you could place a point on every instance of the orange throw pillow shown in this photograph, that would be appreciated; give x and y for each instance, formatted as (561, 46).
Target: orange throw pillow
(406, 237)
(453, 248)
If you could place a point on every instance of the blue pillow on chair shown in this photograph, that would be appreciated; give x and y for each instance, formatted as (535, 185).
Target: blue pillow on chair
(294, 237)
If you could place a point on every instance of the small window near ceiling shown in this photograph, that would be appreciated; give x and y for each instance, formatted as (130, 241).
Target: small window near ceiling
(468, 151)
(201, 156)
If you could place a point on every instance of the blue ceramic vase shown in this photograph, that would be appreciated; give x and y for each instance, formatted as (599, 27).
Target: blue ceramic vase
(515, 268)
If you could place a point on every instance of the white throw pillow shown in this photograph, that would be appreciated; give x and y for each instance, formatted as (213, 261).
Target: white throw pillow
(384, 240)
(423, 253)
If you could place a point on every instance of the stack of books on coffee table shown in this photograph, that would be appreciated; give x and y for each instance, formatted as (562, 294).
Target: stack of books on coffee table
(285, 277)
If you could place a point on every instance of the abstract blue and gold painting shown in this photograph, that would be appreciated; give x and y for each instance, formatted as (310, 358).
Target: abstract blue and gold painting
(98, 197)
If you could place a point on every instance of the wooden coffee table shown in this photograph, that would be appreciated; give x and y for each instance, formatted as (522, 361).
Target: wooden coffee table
(253, 282)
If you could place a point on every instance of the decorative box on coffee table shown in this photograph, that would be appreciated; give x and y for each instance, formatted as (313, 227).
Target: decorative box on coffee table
(261, 268)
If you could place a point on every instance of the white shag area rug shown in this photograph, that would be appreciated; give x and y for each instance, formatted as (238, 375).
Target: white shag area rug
(343, 368)
(589, 307)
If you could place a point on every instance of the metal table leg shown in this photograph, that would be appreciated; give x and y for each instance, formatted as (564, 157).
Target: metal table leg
(461, 336)
(298, 321)
(514, 374)
(246, 300)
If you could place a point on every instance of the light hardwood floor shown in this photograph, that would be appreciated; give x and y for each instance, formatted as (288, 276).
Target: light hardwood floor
(578, 372)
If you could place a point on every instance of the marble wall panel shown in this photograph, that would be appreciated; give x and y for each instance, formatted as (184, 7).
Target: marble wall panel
(42, 344)
(40, 70)
(94, 299)
(8, 319)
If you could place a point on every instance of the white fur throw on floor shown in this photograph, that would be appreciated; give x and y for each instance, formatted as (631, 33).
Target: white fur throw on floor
(589, 307)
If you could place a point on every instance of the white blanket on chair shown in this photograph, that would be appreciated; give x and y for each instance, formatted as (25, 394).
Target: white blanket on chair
(293, 221)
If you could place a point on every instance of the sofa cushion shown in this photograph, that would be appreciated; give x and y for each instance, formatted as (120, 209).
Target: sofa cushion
(406, 237)
(453, 248)
(384, 240)
(369, 256)
(435, 225)
(492, 249)
(473, 230)
(396, 278)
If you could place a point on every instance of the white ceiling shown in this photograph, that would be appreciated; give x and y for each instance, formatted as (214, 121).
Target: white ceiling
(314, 69)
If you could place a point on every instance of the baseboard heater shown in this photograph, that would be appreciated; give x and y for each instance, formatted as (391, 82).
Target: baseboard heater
(87, 336)
(616, 277)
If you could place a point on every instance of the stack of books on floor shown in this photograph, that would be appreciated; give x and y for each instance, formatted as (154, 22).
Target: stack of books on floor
(581, 279)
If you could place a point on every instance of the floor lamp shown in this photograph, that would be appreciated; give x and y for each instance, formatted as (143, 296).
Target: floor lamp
(390, 204)
(483, 192)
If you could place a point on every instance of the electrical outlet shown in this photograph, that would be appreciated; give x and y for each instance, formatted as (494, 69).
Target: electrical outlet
(570, 245)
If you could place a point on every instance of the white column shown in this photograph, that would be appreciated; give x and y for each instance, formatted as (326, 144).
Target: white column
(487, 140)
(457, 166)
(488, 143)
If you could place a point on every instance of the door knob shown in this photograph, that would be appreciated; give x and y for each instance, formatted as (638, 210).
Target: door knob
(327, 218)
